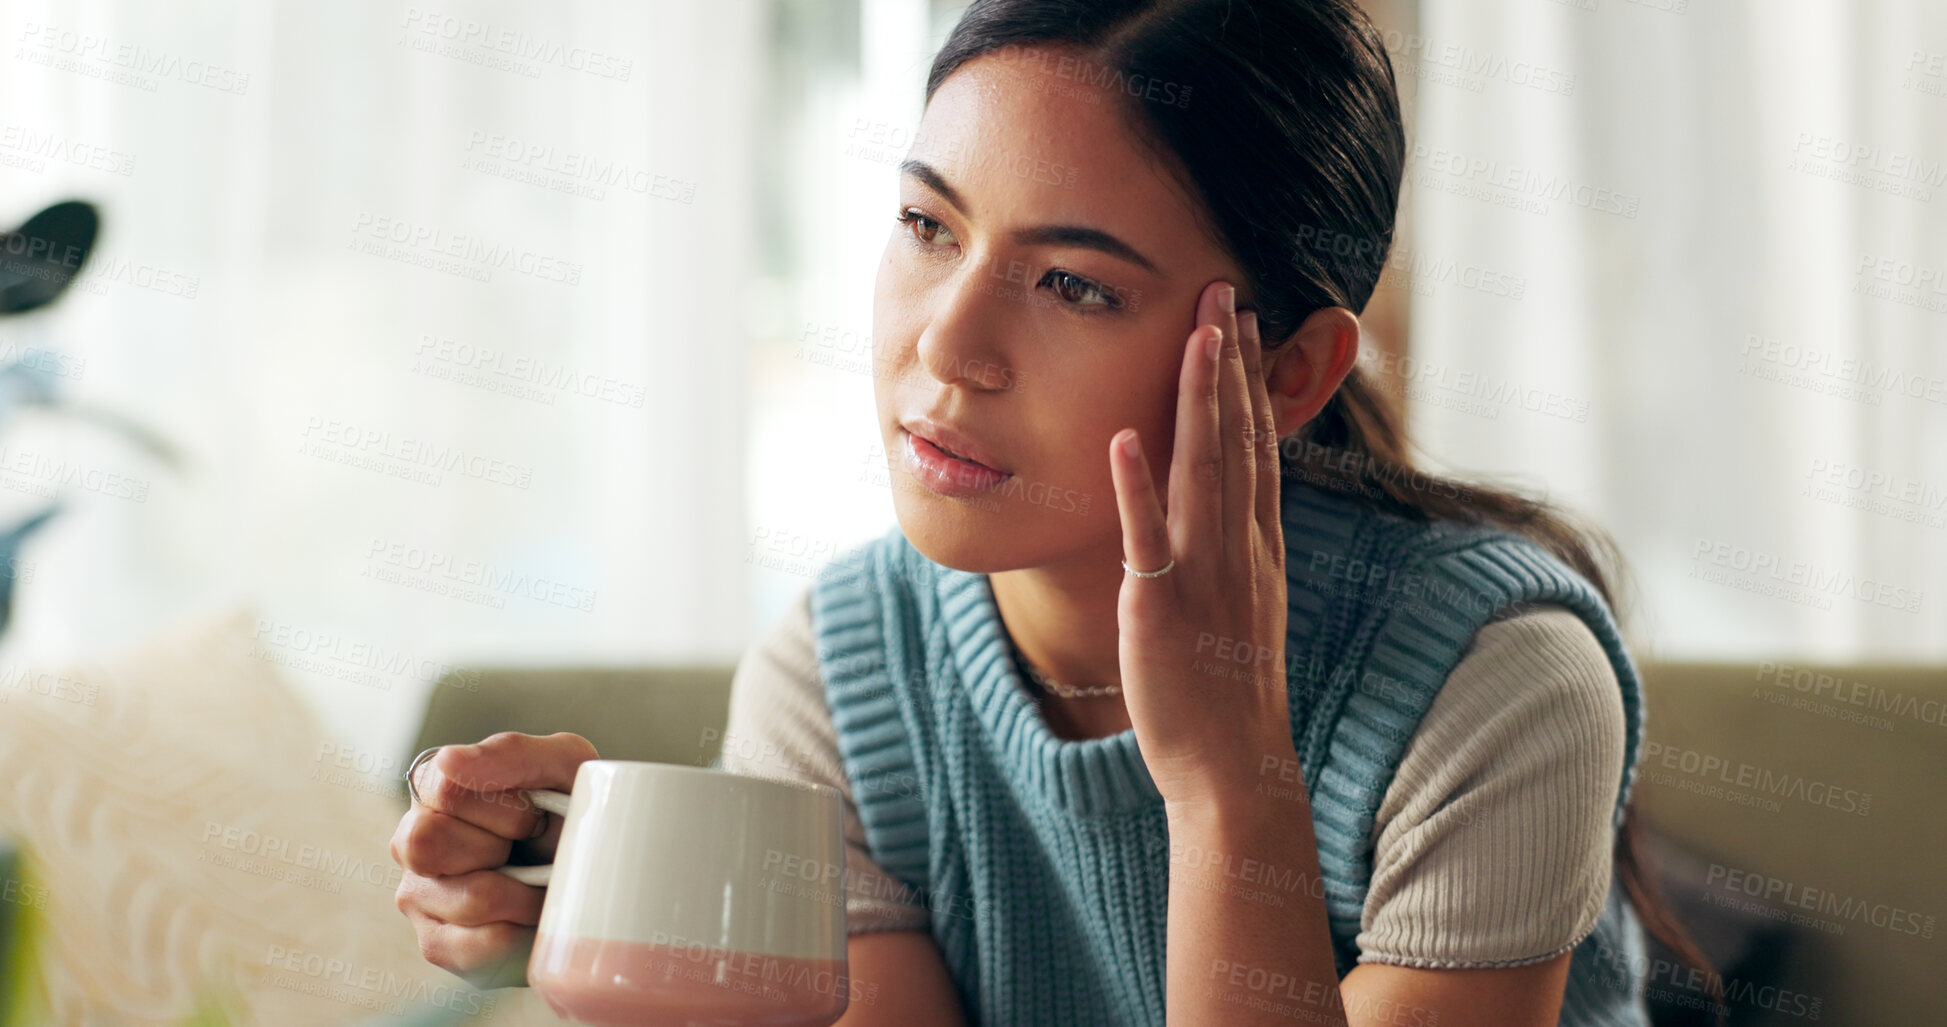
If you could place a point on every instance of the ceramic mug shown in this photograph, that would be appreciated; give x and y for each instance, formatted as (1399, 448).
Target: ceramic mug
(687, 897)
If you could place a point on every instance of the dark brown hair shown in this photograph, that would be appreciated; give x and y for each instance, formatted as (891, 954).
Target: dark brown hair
(1283, 120)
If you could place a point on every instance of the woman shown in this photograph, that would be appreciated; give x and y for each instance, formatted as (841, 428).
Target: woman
(1295, 731)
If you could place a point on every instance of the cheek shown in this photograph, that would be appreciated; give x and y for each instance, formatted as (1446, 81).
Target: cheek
(1092, 388)
(884, 284)
(1149, 402)
(1084, 425)
(898, 307)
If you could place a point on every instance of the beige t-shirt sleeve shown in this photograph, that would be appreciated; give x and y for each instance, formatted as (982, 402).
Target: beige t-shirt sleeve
(1494, 841)
(781, 726)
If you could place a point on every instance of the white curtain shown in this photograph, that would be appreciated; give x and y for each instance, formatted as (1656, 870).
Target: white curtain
(446, 305)
(1647, 238)
(846, 118)
(1684, 266)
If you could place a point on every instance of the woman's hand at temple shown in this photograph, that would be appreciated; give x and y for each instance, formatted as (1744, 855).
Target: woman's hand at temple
(1202, 647)
(471, 919)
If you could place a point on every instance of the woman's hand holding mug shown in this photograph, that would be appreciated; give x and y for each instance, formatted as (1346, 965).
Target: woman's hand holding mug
(472, 919)
(676, 896)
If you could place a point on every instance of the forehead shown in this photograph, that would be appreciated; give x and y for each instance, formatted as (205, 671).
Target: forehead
(1026, 138)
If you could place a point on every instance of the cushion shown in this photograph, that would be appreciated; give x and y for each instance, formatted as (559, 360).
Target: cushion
(196, 840)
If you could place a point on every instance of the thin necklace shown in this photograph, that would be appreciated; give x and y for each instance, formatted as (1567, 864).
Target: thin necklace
(1066, 691)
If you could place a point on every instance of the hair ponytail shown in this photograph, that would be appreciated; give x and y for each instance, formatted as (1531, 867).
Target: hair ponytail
(1282, 119)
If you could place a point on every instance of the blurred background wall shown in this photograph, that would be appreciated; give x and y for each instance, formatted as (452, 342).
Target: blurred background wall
(509, 333)
(447, 307)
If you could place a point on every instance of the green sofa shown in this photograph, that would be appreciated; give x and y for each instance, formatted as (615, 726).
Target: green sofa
(659, 715)
(1752, 720)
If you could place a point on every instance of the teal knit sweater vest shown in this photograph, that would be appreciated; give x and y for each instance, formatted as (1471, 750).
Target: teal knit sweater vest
(1045, 862)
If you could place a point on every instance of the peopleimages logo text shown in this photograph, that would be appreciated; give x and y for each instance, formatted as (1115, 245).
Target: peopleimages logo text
(1806, 575)
(478, 573)
(1744, 775)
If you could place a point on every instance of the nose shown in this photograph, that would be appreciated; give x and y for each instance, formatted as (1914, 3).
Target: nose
(967, 323)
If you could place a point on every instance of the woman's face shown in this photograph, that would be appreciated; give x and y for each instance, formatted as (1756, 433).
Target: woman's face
(1038, 299)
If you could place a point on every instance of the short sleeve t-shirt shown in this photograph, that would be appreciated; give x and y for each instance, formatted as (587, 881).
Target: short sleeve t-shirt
(1492, 846)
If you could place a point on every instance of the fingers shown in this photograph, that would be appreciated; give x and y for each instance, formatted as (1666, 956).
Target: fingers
(1145, 532)
(490, 956)
(481, 783)
(505, 814)
(472, 899)
(511, 759)
(1225, 460)
(436, 844)
(1236, 424)
(1197, 461)
(1270, 478)
(471, 919)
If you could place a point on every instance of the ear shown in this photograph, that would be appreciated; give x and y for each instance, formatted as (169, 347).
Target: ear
(1303, 373)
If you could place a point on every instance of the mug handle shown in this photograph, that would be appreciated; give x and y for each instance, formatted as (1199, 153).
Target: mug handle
(538, 874)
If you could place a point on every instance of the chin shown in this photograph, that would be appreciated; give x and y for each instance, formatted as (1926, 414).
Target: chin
(953, 535)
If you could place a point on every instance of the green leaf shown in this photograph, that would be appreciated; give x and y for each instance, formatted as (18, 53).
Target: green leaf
(21, 1001)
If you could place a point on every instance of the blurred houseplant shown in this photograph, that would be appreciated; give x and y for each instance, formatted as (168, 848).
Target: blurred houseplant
(38, 261)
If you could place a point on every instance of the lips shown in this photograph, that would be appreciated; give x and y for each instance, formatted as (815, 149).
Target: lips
(951, 453)
(955, 443)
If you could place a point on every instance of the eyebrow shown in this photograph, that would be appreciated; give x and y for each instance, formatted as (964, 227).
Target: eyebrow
(1040, 235)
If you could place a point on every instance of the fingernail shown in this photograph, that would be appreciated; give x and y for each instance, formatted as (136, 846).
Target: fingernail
(1213, 345)
(1227, 299)
(1131, 446)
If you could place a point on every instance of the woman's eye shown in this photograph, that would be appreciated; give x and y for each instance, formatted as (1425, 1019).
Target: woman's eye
(1076, 290)
(922, 227)
(1088, 297)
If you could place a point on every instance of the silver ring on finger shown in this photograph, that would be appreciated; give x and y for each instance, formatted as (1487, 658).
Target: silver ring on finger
(1148, 574)
(540, 823)
(412, 787)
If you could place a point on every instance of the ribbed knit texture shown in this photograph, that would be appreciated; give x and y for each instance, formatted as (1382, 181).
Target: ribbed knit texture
(1529, 736)
(1046, 861)
(1513, 766)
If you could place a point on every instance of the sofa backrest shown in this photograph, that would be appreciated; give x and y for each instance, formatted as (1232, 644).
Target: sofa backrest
(1726, 742)
(656, 714)
(1819, 788)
